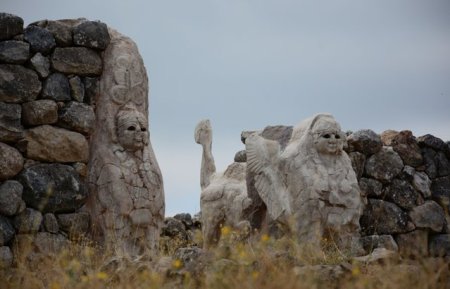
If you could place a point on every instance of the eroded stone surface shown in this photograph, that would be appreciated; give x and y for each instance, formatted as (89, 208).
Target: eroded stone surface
(431, 141)
(28, 221)
(6, 230)
(56, 87)
(11, 162)
(11, 202)
(76, 88)
(92, 34)
(402, 194)
(370, 188)
(372, 242)
(40, 39)
(405, 144)
(18, 84)
(40, 64)
(6, 257)
(75, 224)
(358, 160)
(51, 223)
(15, 52)
(440, 189)
(42, 111)
(384, 165)
(76, 60)
(365, 141)
(11, 129)
(422, 183)
(429, 215)
(77, 116)
(10, 26)
(440, 245)
(413, 244)
(61, 31)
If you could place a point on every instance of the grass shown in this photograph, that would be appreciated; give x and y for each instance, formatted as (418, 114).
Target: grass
(256, 262)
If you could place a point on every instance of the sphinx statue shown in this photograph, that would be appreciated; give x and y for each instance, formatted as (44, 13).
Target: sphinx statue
(311, 184)
(126, 201)
(224, 195)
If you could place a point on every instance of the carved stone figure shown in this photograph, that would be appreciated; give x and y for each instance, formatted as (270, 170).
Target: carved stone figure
(224, 195)
(312, 182)
(126, 200)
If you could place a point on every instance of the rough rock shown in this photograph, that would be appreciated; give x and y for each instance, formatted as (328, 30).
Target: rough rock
(42, 111)
(41, 64)
(443, 164)
(384, 218)
(81, 169)
(429, 215)
(51, 223)
(422, 184)
(76, 88)
(52, 188)
(49, 244)
(185, 218)
(91, 89)
(358, 160)
(402, 194)
(370, 187)
(92, 34)
(240, 157)
(75, 224)
(370, 243)
(11, 202)
(387, 136)
(173, 227)
(11, 129)
(6, 230)
(280, 133)
(61, 32)
(14, 52)
(40, 39)
(56, 87)
(189, 256)
(141, 217)
(413, 244)
(429, 156)
(440, 190)
(77, 116)
(384, 165)
(365, 141)
(10, 26)
(51, 144)
(77, 60)
(29, 221)
(6, 257)
(431, 141)
(18, 84)
(11, 162)
(439, 245)
(405, 144)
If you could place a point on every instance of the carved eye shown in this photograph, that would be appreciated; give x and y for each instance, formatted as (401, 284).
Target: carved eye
(143, 129)
(131, 128)
(337, 136)
(326, 135)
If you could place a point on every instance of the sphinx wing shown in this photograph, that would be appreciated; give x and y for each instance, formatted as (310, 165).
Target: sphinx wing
(262, 160)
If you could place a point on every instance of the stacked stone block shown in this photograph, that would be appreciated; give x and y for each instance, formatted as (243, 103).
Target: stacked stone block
(49, 75)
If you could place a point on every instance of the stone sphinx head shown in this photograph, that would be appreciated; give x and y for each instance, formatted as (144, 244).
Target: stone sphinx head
(327, 136)
(131, 128)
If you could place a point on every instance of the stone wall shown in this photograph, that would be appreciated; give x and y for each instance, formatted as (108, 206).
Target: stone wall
(49, 73)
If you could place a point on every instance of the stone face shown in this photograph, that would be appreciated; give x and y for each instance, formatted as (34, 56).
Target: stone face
(6, 257)
(77, 116)
(11, 202)
(51, 223)
(429, 215)
(40, 39)
(370, 243)
(365, 141)
(52, 188)
(61, 32)
(440, 245)
(431, 141)
(11, 162)
(75, 224)
(10, 26)
(18, 84)
(77, 60)
(91, 34)
(76, 88)
(422, 184)
(384, 165)
(405, 144)
(358, 160)
(6, 230)
(51, 144)
(41, 64)
(402, 194)
(384, 218)
(11, 129)
(414, 243)
(440, 190)
(56, 87)
(42, 111)
(28, 221)
(370, 187)
(240, 157)
(15, 52)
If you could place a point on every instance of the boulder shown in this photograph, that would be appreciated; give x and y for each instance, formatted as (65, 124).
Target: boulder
(61, 32)
(11, 162)
(413, 244)
(384, 165)
(439, 245)
(370, 188)
(442, 164)
(387, 136)
(10, 26)
(370, 243)
(429, 156)
(431, 141)
(41, 64)
(29, 221)
(91, 89)
(173, 227)
(53, 188)
(6, 257)
(14, 52)
(18, 84)
(11, 202)
(40, 39)
(358, 161)
(440, 190)
(402, 194)
(77, 116)
(56, 87)
(75, 224)
(428, 216)
(76, 88)
(92, 34)
(51, 223)
(42, 111)
(364, 141)
(77, 60)
(51, 144)
(240, 157)
(384, 218)
(186, 219)
(422, 184)
(6, 230)
(405, 144)
(11, 129)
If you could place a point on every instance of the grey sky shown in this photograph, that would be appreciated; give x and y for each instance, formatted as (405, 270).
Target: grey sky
(245, 64)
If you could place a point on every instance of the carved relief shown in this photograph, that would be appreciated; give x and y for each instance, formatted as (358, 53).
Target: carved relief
(126, 189)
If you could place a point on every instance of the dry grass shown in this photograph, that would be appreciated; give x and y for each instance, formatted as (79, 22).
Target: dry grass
(258, 262)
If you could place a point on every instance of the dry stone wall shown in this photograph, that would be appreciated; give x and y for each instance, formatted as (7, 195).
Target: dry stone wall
(49, 74)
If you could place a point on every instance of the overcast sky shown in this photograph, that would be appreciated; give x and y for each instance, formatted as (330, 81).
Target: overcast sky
(245, 64)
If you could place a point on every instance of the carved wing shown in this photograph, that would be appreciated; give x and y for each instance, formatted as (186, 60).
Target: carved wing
(262, 160)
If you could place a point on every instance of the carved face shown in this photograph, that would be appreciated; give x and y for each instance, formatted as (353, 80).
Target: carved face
(328, 137)
(132, 131)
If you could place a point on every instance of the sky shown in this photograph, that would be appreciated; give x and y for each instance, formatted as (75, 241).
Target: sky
(246, 64)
